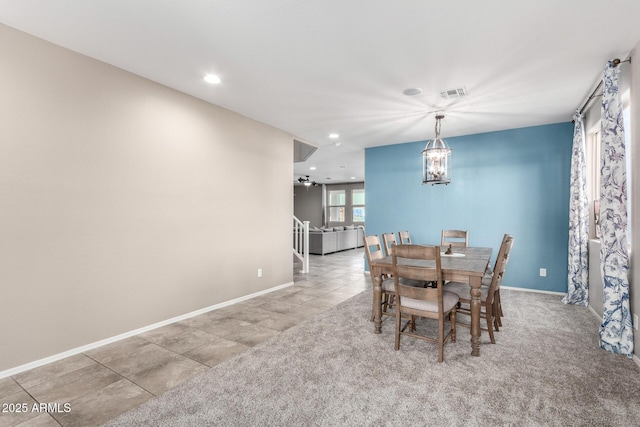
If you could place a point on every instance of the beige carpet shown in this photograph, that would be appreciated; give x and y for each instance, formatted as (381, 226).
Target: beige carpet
(546, 369)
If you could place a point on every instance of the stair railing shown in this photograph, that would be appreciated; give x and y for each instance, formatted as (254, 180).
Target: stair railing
(301, 242)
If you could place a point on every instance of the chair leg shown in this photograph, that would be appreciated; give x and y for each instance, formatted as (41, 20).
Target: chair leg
(373, 309)
(497, 310)
(499, 305)
(452, 319)
(440, 340)
(398, 323)
(489, 316)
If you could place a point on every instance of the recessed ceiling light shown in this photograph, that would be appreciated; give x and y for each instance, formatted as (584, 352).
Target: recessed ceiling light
(212, 78)
(412, 91)
(353, 177)
(334, 136)
(312, 168)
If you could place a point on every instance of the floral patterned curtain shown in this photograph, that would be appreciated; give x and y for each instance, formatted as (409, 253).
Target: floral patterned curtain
(616, 333)
(578, 272)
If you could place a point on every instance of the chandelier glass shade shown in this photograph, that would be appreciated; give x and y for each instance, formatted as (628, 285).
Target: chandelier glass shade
(436, 159)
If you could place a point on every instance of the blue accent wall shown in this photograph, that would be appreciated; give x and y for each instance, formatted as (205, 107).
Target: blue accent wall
(514, 181)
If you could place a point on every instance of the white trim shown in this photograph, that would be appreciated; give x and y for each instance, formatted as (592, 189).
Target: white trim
(595, 313)
(77, 350)
(636, 359)
(511, 288)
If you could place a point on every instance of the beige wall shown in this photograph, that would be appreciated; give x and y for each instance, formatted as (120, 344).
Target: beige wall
(125, 203)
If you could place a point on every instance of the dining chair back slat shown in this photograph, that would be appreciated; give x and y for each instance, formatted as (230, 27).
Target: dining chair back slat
(372, 248)
(405, 238)
(388, 239)
(455, 238)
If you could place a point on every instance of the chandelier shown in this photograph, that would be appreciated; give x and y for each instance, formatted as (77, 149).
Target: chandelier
(436, 159)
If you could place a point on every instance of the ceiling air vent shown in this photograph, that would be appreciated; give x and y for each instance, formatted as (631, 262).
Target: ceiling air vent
(454, 93)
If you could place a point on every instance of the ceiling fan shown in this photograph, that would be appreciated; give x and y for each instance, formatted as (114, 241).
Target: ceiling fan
(306, 182)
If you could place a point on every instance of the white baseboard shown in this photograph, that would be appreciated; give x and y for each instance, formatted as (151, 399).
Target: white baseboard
(78, 350)
(511, 288)
(595, 313)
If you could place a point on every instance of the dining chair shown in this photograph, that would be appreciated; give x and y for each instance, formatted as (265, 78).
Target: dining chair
(489, 295)
(455, 238)
(373, 250)
(486, 281)
(388, 240)
(412, 302)
(404, 237)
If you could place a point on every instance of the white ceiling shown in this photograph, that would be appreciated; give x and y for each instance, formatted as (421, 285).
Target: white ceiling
(316, 67)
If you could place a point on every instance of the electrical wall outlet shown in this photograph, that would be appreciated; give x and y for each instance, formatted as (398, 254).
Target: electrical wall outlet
(543, 272)
(259, 272)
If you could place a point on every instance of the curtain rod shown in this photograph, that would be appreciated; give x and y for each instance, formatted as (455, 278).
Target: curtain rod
(615, 62)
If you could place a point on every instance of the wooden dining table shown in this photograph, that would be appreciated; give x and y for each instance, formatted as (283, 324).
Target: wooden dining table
(466, 265)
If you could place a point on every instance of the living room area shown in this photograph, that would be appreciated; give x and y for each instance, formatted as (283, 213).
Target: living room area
(336, 214)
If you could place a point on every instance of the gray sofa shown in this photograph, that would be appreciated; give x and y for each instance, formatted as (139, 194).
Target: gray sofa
(325, 241)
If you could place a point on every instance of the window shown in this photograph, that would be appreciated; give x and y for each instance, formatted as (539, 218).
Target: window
(626, 117)
(595, 167)
(337, 202)
(357, 202)
(344, 204)
(593, 140)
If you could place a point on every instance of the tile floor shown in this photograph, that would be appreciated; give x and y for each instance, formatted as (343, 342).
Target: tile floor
(104, 382)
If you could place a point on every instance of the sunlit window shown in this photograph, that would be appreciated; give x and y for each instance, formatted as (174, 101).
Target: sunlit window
(337, 201)
(594, 140)
(345, 204)
(357, 201)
